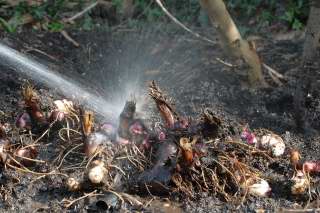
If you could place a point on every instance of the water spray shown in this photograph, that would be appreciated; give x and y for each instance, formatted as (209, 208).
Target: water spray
(66, 86)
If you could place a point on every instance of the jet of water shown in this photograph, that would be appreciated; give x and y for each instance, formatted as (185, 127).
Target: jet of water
(66, 86)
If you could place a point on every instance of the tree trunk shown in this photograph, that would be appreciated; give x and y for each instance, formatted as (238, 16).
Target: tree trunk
(311, 51)
(307, 83)
(231, 40)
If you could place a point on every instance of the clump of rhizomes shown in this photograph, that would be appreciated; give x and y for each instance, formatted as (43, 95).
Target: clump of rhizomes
(101, 156)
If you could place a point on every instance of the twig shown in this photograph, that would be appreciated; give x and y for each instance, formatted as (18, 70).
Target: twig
(81, 13)
(133, 159)
(149, 202)
(73, 148)
(244, 195)
(175, 20)
(252, 148)
(69, 203)
(29, 159)
(137, 150)
(274, 72)
(127, 158)
(72, 130)
(113, 166)
(215, 181)
(225, 63)
(307, 175)
(17, 162)
(225, 168)
(274, 75)
(73, 168)
(148, 190)
(67, 36)
(92, 157)
(30, 145)
(35, 173)
(131, 199)
(204, 179)
(275, 79)
(29, 49)
(45, 132)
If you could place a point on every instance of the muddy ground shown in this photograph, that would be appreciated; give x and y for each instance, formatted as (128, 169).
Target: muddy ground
(113, 62)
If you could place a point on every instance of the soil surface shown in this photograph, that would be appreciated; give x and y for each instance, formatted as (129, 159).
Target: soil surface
(120, 62)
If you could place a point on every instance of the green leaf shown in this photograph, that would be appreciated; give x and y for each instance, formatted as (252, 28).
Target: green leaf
(266, 16)
(7, 27)
(288, 16)
(55, 26)
(38, 13)
(297, 25)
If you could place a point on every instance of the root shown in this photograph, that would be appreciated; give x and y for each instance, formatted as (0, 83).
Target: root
(68, 203)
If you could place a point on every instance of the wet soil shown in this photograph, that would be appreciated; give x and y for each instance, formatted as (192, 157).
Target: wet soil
(113, 62)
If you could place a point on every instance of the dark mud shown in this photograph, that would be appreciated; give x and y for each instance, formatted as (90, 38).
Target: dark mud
(126, 59)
